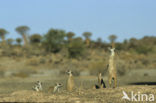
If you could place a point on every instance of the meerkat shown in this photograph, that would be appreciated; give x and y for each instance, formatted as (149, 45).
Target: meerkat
(101, 83)
(99, 79)
(96, 86)
(38, 86)
(55, 88)
(112, 68)
(70, 81)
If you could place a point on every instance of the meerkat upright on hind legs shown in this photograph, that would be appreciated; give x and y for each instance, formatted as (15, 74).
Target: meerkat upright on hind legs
(112, 68)
(70, 81)
(101, 83)
(99, 79)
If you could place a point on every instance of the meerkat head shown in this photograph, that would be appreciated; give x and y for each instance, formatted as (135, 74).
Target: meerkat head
(69, 72)
(39, 83)
(59, 85)
(112, 50)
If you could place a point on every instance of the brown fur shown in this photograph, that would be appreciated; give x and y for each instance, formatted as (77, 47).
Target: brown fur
(112, 69)
(70, 82)
(54, 88)
(99, 80)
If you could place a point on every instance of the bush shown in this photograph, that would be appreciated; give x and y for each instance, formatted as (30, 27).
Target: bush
(142, 49)
(35, 38)
(121, 71)
(98, 67)
(42, 61)
(122, 67)
(53, 40)
(76, 48)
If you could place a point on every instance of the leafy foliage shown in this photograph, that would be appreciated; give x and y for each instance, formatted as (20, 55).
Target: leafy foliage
(87, 34)
(18, 40)
(112, 38)
(53, 40)
(142, 49)
(76, 48)
(22, 30)
(35, 38)
(10, 41)
(3, 32)
(70, 36)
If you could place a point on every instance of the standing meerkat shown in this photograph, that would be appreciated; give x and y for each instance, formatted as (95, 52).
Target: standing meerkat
(101, 83)
(112, 68)
(55, 88)
(99, 79)
(70, 81)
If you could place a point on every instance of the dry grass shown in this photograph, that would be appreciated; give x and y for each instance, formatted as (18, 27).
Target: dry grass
(93, 63)
(107, 95)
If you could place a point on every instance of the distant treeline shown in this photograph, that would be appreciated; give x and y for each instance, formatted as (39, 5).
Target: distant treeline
(55, 40)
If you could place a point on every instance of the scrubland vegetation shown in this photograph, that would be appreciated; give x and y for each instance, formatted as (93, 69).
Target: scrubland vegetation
(62, 50)
(46, 57)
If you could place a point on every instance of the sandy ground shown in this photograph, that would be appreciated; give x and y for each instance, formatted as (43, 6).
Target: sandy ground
(78, 96)
(15, 89)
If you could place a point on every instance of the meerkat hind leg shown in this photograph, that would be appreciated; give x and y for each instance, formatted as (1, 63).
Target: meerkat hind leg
(115, 82)
(110, 82)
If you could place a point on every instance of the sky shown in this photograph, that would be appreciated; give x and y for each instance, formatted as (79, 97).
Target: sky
(124, 18)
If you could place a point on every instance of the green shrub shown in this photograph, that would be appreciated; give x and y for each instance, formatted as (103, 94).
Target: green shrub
(53, 40)
(76, 48)
(143, 49)
(35, 38)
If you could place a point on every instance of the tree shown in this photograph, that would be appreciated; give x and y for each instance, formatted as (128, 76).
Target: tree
(19, 40)
(133, 43)
(3, 32)
(53, 40)
(35, 38)
(10, 41)
(23, 30)
(70, 36)
(99, 42)
(112, 38)
(87, 36)
(76, 48)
